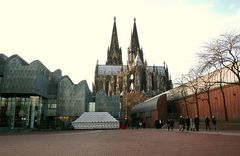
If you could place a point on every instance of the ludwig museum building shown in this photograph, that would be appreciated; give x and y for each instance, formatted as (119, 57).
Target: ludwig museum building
(31, 96)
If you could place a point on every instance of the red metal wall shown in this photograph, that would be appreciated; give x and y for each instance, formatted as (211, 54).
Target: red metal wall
(232, 96)
(149, 121)
(159, 113)
(162, 108)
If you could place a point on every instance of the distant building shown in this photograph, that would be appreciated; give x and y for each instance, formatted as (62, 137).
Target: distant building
(214, 94)
(116, 79)
(32, 96)
(210, 100)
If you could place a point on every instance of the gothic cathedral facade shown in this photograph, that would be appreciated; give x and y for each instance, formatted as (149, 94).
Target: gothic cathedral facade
(114, 78)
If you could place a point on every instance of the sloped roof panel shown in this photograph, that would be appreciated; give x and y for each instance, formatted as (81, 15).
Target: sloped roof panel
(160, 69)
(109, 70)
(95, 120)
(95, 117)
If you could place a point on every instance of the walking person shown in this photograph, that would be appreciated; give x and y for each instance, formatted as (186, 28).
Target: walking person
(160, 123)
(188, 123)
(214, 123)
(140, 124)
(181, 123)
(207, 123)
(192, 125)
(196, 122)
(171, 123)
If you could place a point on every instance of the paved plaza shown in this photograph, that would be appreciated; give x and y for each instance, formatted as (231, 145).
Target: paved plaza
(139, 142)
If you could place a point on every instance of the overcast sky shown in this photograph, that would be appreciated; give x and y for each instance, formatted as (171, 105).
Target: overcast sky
(72, 35)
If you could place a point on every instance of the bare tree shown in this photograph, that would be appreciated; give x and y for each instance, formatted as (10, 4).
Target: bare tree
(223, 95)
(182, 89)
(193, 84)
(217, 77)
(223, 52)
(206, 84)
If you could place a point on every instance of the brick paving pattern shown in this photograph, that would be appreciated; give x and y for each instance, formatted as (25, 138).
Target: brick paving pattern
(141, 142)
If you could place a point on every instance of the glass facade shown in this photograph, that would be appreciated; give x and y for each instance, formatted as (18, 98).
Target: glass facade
(32, 97)
(105, 103)
(20, 111)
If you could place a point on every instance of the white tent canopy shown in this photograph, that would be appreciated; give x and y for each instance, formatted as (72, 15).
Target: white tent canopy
(95, 120)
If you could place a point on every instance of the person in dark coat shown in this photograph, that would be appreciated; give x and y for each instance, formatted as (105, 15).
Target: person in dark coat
(196, 122)
(160, 123)
(188, 123)
(207, 123)
(156, 124)
(181, 123)
(171, 123)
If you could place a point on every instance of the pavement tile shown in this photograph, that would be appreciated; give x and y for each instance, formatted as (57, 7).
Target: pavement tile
(126, 142)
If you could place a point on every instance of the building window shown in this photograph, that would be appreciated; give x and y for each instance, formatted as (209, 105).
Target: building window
(53, 106)
(91, 107)
(148, 114)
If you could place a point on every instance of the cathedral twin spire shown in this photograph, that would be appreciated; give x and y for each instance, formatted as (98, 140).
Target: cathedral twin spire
(134, 48)
(134, 45)
(114, 41)
(115, 53)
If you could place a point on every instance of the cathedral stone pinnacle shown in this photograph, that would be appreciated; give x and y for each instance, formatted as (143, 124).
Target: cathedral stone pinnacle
(114, 52)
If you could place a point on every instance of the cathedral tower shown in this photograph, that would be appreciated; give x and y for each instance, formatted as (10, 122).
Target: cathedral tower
(114, 55)
(134, 81)
(134, 48)
(136, 67)
(135, 76)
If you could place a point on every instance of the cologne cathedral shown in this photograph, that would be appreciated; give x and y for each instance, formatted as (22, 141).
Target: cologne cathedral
(115, 78)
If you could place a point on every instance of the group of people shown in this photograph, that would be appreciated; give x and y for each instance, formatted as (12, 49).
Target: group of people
(193, 124)
(187, 123)
(207, 123)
